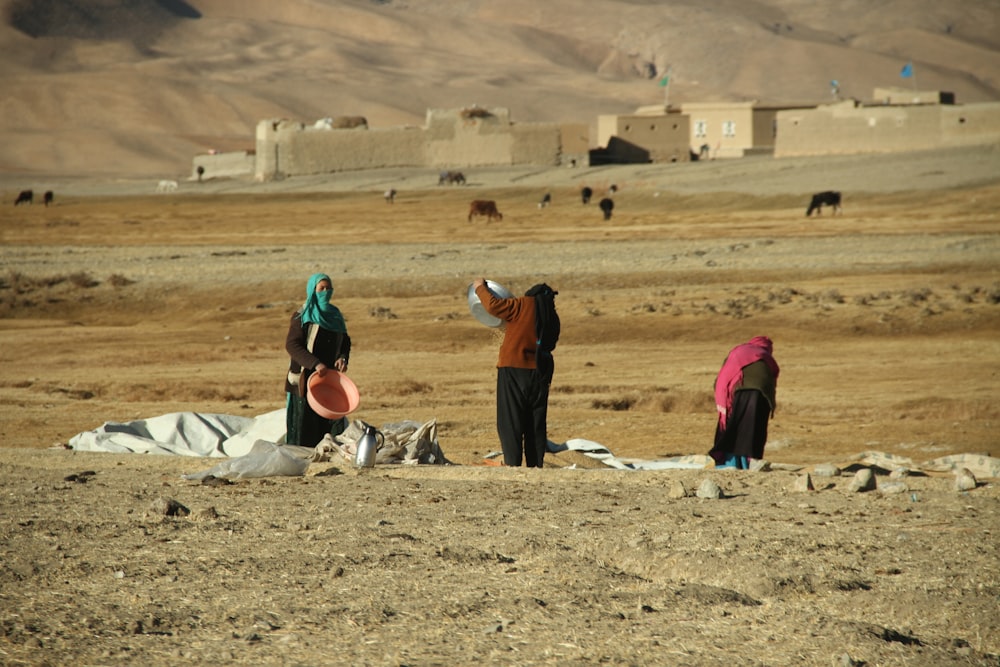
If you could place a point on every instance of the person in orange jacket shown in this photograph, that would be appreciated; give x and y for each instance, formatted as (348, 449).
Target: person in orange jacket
(524, 370)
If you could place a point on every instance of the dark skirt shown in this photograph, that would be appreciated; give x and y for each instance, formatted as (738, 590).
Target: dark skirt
(746, 428)
(306, 428)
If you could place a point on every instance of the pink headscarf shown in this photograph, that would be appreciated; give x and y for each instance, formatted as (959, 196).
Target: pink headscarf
(758, 348)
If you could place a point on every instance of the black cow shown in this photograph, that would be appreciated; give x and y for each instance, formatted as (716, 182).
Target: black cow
(607, 205)
(820, 199)
(451, 178)
(26, 197)
(546, 200)
(48, 197)
(585, 194)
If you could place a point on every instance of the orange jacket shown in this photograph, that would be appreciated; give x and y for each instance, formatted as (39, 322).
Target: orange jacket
(519, 338)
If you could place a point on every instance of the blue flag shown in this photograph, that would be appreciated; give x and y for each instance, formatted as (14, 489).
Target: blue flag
(907, 71)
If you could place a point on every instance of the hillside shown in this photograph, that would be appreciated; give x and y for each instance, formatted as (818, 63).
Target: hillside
(98, 87)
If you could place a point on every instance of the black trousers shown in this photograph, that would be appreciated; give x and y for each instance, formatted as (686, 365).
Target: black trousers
(522, 412)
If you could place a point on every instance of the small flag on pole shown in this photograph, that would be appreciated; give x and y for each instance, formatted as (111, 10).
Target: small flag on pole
(907, 71)
(665, 81)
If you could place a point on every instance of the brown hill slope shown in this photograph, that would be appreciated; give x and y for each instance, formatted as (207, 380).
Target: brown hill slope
(91, 87)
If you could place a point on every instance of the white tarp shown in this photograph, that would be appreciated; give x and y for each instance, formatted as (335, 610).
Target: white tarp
(596, 450)
(218, 435)
(177, 433)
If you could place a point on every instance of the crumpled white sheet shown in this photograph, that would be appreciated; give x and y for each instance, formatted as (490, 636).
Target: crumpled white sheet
(254, 445)
(407, 442)
(596, 450)
(178, 433)
(265, 459)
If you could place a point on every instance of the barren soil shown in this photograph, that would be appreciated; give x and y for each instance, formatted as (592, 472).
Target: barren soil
(119, 304)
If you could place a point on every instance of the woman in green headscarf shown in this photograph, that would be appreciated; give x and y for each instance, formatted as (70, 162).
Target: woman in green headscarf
(317, 340)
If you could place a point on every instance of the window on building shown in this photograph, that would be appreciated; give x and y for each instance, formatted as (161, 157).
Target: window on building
(729, 128)
(701, 129)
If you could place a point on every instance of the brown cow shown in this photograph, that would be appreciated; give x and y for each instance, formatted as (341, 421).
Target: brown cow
(486, 207)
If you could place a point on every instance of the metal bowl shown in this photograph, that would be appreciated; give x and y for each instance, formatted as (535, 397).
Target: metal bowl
(476, 306)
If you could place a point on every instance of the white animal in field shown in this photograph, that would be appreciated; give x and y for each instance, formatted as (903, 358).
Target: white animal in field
(166, 186)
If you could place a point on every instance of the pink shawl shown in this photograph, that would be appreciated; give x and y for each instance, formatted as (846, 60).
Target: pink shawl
(730, 377)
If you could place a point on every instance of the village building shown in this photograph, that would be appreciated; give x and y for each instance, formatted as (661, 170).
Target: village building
(651, 134)
(722, 130)
(470, 137)
(900, 120)
(903, 120)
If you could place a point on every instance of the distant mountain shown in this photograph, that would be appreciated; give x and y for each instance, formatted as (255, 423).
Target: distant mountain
(137, 87)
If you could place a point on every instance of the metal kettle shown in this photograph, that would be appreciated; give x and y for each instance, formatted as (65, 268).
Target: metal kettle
(367, 447)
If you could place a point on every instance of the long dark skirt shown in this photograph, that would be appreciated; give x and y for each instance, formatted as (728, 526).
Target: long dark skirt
(746, 428)
(306, 428)
(522, 415)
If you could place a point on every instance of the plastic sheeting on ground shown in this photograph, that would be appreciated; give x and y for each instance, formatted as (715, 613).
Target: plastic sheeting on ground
(184, 434)
(218, 435)
(265, 459)
(598, 451)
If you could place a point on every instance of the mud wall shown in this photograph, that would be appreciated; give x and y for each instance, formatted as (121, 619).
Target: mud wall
(846, 128)
(450, 138)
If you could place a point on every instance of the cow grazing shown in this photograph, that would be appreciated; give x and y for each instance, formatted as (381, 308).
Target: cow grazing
(390, 196)
(607, 205)
(48, 197)
(451, 178)
(585, 194)
(486, 207)
(26, 197)
(612, 188)
(821, 199)
(546, 200)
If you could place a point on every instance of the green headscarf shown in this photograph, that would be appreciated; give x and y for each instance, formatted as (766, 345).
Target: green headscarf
(318, 310)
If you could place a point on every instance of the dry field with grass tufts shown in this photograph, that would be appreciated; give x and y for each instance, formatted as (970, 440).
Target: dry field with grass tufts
(117, 304)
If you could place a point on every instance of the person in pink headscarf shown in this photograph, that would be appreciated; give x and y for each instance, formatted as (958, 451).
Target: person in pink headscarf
(745, 398)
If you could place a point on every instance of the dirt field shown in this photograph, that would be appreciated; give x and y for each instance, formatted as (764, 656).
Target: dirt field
(119, 304)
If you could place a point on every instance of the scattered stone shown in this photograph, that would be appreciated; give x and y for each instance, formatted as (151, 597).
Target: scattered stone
(803, 484)
(964, 480)
(206, 514)
(212, 480)
(760, 465)
(899, 473)
(845, 660)
(826, 470)
(709, 489)
(168, 507)
(498, 627)
(863, 480)
(676, 490)
(80, 477)
(893, 487)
